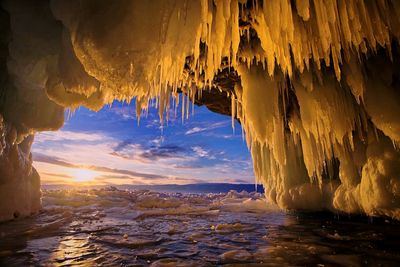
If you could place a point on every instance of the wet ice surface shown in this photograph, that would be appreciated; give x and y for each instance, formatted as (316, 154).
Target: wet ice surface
(121, 228)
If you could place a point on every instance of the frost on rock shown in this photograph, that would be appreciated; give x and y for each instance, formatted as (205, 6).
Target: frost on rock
(317, 88)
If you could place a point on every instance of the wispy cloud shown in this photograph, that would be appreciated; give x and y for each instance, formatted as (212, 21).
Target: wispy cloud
(58, 175)
(190, 165)
(63, 135)
(125, 112)
(167, 151)
(212, 126)
(201, 152)
(132, 174)
(154, 152)
(38, 157)
(158, 141)
(195, 130)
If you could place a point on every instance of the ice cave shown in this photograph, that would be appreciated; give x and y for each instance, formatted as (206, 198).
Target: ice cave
(315, 85)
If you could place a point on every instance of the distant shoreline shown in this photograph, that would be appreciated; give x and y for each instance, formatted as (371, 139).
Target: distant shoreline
(171, 188)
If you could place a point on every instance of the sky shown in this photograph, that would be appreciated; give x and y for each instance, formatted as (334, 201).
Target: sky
(109, 147)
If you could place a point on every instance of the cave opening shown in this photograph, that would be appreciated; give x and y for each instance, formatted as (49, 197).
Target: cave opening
(112, 147)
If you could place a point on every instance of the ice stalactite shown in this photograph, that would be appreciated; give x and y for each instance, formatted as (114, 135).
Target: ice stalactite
(314, 83)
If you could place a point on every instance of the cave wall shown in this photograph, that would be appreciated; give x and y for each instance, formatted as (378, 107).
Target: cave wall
(315, 84)
(19, 181)
(28, 45)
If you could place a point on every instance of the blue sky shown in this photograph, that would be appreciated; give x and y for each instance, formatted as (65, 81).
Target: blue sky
(109, 147)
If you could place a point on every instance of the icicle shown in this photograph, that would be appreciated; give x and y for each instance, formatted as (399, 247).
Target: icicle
(183, 108)
(233, 112)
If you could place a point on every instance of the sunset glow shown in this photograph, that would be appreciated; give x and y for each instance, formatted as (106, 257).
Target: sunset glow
(100, 148)
(83, 175)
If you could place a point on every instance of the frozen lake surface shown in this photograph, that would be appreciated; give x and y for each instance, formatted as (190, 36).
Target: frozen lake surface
(112, 227)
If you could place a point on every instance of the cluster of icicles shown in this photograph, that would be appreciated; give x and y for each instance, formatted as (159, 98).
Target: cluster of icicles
(319, 106)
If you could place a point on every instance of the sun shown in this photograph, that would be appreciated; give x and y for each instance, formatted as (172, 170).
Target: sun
(83, 175)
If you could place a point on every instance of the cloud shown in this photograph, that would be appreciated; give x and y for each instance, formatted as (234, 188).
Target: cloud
(111, 176)
(195, 130)
(202, 153)
(126, 112)
(59, 175)
(189, 166)
(212, 126)
(38, 157)
(133, 174)
(158, 141)
(63, 135)
(112, 179)
(145, 176)
(154, 152)
(126, 144)
(154, 123)
(159, 152)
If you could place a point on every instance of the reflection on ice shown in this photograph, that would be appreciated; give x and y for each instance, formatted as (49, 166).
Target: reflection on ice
(115, 227)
